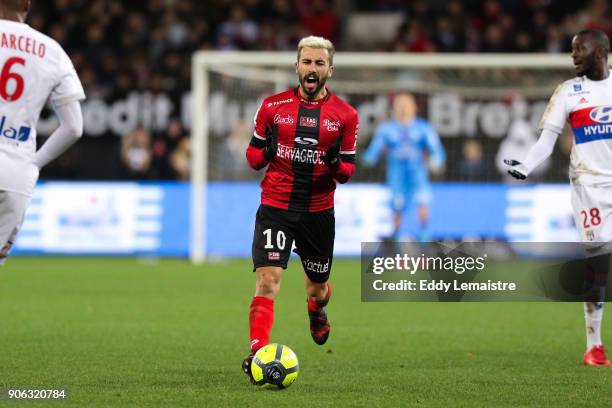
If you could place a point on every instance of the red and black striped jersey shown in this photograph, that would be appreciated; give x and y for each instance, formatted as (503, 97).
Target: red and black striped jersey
(297, 179)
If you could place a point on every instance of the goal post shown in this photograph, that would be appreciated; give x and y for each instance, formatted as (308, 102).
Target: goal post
(244, 78)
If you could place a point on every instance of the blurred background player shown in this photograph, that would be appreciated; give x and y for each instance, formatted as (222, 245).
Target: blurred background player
(307, 138)
(36, 68)
(586, 102)
(411, 145)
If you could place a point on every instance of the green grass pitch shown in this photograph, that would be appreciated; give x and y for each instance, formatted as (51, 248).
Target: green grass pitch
(129, 332)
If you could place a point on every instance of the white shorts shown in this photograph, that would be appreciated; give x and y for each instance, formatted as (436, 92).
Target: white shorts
(12, 210)
(593, 212)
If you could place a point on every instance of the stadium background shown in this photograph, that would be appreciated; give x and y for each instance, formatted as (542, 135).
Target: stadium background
(122, 49)
(134, 60)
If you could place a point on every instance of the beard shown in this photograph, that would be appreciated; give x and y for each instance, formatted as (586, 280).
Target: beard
(314, 91)
(587, 66)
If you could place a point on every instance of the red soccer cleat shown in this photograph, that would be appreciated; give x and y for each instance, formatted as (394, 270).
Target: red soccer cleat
(596, 357)
(246, 367)
(319, 324)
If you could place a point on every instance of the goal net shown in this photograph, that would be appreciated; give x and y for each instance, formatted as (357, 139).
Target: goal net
(484, 107)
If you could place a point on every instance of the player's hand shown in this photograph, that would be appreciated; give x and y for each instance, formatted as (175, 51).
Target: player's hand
(436, 167)
(518, 170)
(331, 155)
(271, 148)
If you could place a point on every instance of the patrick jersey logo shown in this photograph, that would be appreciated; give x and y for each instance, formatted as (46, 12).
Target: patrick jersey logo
(307, 121)
(602, 114)
(577, 87)
(270, 104)
(21, 134)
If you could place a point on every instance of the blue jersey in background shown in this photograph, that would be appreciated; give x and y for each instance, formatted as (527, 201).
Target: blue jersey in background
(408, 147)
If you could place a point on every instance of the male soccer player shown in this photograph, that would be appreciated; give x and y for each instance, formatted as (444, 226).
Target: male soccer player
(586, 102)
(33, 68)
(307, 138)
(411, 145)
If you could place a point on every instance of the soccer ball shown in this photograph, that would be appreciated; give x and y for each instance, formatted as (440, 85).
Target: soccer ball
(274, 366)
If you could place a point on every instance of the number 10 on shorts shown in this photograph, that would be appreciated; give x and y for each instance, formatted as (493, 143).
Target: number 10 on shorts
(281, 239)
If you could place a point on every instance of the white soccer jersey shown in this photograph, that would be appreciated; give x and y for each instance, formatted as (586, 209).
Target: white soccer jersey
(587, 106)
(33, 69)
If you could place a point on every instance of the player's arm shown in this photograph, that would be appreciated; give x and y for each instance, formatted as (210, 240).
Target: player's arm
(65, 99)
(262, 150)
(377, 145)
(264, 143)
(437, 154)
(68, 132)
(537, 155)
(552, 123)
(340, 158)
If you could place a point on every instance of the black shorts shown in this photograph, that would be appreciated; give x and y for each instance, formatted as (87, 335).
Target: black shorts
(313, 233)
